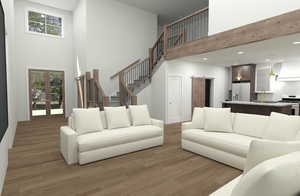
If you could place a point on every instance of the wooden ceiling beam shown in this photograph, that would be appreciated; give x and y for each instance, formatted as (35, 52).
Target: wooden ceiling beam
(277, 26)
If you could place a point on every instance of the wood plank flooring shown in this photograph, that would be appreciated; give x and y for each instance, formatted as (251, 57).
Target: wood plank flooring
(36, 168)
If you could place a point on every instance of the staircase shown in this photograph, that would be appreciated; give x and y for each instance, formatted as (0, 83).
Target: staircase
(135, 77)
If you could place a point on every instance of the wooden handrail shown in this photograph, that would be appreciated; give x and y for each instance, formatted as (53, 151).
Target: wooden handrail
(187, 17)
(129, 66)
(179, 38)
(99, 88)
(158, 40)
(121, 78)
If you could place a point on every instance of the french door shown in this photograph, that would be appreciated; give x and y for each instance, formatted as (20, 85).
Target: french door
(46, 93)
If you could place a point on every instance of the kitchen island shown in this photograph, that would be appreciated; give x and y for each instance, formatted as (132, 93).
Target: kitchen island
(261, 108)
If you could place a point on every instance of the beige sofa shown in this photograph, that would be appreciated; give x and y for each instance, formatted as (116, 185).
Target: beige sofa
(230, 148)
(95, 146)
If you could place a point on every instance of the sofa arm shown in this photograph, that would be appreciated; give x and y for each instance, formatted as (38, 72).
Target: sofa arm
(186, 126)
(68, 145)
(158, 123)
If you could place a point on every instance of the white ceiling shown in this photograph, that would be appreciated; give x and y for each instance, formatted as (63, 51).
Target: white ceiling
(61, 4)
(276, 50)
(168, 10)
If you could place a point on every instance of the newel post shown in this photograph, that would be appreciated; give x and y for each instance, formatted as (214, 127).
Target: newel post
(134, 100)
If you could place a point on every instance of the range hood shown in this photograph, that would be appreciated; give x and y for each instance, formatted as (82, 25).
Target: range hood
(289, 72)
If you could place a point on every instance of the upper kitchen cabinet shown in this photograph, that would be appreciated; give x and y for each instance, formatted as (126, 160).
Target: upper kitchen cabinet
(243, 73)
(266, 76)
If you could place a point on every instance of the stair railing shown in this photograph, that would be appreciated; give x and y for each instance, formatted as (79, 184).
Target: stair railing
(192, 27)
(95, 96)
(157, 51)
(126, 95)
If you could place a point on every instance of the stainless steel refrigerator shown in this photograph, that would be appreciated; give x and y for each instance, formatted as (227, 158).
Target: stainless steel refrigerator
(241, 91)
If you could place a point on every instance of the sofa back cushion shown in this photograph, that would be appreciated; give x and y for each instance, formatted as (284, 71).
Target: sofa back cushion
(117, 117)
(282, 127)
(262, 150)
(275, 177)
(87, 120)
(250, 124)
(103, 119)
(140, 115)
(218, 119)
(198, 118)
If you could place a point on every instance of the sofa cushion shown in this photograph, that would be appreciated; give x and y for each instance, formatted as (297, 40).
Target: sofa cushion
(227, 142)
(217, 119)
(271, 149)
(226, 190)
(275, 177)
(250, 124)
(87, 120)
(140, 115)
(117, 117)
(198, 118)
(282, 127)
(103, 119)
(114, 137)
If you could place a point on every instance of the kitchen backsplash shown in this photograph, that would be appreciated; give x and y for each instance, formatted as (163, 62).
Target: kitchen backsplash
(281, 89)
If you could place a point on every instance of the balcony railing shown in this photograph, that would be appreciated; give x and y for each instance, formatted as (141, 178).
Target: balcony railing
(189, 28)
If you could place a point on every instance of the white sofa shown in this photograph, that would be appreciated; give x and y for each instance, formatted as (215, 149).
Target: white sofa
(90, 147)
(230, 148)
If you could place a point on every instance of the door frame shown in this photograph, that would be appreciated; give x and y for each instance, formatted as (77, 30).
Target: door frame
(167, 96)
(47, 82)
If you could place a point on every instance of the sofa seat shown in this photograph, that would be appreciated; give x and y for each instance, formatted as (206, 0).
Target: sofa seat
(108, 138)
(227, 142)
(228, 188)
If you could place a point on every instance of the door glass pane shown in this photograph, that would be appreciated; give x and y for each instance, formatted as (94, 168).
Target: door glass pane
(56, 93)
(38, 93)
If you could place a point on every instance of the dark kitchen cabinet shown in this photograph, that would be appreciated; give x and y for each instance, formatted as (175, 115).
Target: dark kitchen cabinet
(245, 73)
(242, 73)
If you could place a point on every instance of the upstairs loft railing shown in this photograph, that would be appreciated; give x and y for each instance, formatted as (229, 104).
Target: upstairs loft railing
(189, 28)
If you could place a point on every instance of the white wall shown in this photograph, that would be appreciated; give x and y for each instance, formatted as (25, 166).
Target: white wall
(8, 139)
(144, 98)
(79, 29)
(117, 35)
(229, 14)
(43, 52)
(158, 92)
(188, 70)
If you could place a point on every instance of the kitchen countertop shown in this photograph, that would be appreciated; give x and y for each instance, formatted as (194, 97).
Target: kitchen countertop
(278, 104)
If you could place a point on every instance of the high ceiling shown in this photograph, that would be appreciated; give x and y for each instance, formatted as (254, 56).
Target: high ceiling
(168, 10)
(61, 4)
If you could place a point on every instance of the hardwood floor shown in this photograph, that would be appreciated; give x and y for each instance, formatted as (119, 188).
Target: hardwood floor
(36, 168)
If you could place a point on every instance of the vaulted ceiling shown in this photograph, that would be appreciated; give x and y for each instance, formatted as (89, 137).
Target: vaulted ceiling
(61, 4)
(168, 10)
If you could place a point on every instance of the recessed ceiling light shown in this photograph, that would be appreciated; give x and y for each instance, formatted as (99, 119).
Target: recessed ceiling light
(205, 59)
(241, 52)
(296, 43)
(268, 60)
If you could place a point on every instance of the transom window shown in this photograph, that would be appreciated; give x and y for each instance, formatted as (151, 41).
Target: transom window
(46, 24)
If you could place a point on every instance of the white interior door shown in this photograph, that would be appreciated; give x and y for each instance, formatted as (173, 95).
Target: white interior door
(174, 102)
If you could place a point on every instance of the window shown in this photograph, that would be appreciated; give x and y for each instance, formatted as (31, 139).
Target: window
(44, 24)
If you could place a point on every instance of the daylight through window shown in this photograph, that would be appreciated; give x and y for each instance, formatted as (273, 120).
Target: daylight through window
(45, 24)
